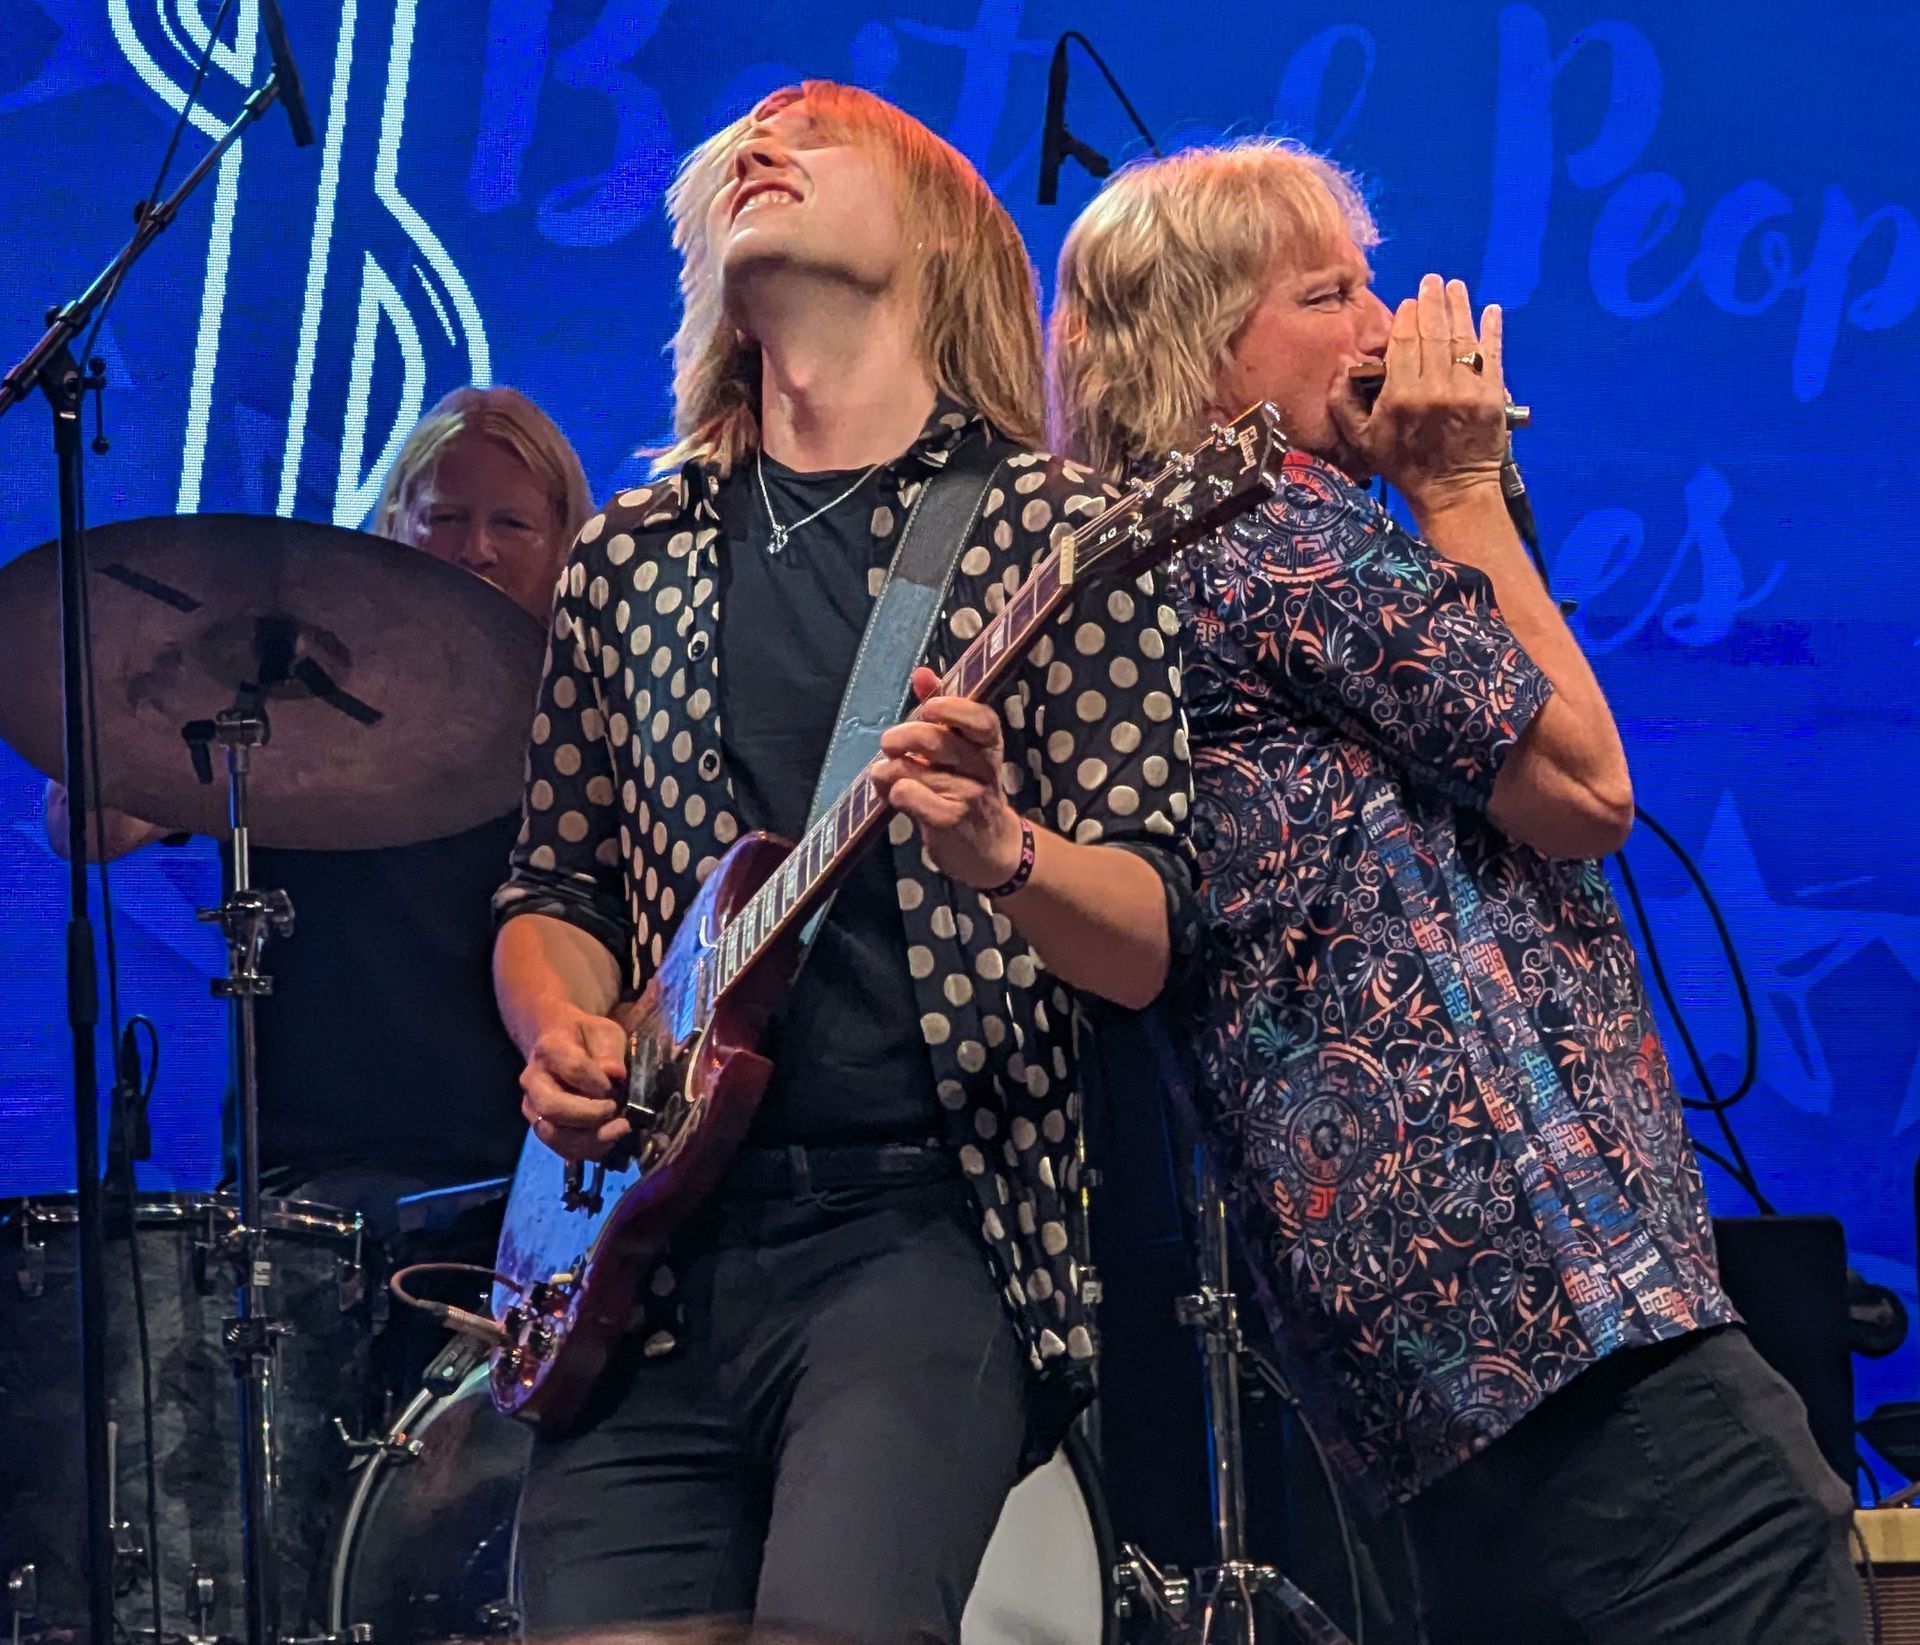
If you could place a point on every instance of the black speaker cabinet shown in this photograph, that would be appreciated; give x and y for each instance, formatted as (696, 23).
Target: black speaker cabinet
(1788, 1277)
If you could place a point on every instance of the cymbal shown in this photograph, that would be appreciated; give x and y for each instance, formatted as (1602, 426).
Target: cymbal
(398, 689)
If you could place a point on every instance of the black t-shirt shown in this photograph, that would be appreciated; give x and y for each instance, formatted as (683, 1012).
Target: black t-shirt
(380, 1045)
(849, 1061)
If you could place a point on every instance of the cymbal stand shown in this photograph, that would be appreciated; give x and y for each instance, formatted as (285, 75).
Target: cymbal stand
(248, 917)
(1220, 1601)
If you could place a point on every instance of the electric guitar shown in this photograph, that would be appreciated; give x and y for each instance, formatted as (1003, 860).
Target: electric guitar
(579, 1240)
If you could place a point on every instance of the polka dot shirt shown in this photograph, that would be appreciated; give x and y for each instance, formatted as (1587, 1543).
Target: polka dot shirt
(628, 808)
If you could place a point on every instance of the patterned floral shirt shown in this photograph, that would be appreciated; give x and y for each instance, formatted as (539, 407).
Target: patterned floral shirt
(1426, 1051)
(629, 807)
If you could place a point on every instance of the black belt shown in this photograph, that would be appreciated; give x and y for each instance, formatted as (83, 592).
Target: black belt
(800, 1171)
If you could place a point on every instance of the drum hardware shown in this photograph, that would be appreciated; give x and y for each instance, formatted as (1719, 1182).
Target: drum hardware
(422, 1550)
(23, 1595)
(248, 918)
(129, 1552)
(202, 1594)
(1224, 1599)
(399, 1445)
(1143, 1589)
(30, 1271)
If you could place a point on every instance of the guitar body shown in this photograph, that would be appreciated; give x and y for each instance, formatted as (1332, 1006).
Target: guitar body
(578, 1242)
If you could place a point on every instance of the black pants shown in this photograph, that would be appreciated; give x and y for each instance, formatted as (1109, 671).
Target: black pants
(1670, 1494)
(828, 1449)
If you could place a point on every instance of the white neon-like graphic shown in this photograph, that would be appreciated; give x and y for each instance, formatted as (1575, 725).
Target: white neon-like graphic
(206, 348)
(237, 62)
(203, 119)
(386, 170)
(357, 491)
(314, 301)
(184, 27)
(236, 59)
(439, 308)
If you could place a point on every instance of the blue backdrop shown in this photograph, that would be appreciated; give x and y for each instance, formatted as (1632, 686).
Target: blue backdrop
(1699, 218)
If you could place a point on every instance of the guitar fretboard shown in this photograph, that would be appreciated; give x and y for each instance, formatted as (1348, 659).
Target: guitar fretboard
(827, 848)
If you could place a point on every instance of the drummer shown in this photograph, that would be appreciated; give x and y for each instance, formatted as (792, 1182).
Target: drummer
(383, 1067)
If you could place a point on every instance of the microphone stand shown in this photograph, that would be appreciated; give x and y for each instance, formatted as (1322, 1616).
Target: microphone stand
(50, 367)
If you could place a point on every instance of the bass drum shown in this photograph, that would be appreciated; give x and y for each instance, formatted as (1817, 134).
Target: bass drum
(426, 1550)
(1048, 1575)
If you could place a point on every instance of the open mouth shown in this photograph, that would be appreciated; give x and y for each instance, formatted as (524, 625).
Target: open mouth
(764, 197)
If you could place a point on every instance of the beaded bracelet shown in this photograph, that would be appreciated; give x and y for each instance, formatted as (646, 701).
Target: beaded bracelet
(1024, 871)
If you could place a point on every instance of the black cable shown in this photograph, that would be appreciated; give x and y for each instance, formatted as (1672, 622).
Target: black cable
(1126, 102)
(124, 1094)
(1739, 1168)
(1271, 1375)
(160, 178)
(1749, 1017)
(1863, 1469)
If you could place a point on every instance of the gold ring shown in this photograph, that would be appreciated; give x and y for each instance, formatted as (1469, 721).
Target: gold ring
(1473, 362)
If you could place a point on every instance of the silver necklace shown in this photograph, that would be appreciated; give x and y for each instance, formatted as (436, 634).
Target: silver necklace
(782, 532)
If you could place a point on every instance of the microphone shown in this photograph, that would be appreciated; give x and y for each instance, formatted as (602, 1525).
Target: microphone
(286, 73)
(1514, 489)
(1056, 142)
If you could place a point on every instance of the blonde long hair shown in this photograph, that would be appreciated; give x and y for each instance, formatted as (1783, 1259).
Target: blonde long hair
(1159, 274)
(502, 414)
(979, 312)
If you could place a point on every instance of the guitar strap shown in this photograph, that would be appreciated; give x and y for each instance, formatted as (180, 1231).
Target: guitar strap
(935, 535)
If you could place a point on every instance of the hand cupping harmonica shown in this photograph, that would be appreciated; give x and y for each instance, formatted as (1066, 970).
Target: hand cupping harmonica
(1370, 376)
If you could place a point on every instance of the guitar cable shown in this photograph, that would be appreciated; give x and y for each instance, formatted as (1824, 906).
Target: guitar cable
(463, 1320)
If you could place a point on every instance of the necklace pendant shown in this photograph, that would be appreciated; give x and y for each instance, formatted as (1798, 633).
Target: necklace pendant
(779, 540)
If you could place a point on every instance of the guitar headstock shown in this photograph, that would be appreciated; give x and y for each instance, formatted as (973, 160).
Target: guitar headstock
(1232, 471)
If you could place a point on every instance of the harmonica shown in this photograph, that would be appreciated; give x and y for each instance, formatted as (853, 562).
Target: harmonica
(1370, 376)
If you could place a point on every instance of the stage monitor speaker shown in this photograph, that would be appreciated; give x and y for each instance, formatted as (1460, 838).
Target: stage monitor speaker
(1891, 1536)
(1788, 1278)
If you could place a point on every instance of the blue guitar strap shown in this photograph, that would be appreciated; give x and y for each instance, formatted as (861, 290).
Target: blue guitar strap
(936, 533)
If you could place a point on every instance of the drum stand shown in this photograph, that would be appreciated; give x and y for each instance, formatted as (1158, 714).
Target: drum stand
(248, 918)
(1219, 1600)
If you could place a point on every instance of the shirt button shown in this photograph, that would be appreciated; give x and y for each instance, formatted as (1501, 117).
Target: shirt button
(709, 766)
(697, 647)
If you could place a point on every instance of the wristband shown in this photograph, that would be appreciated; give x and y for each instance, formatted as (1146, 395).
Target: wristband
(1024, 871)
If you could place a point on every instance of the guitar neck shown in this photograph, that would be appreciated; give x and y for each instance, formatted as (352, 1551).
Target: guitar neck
(816, 864)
